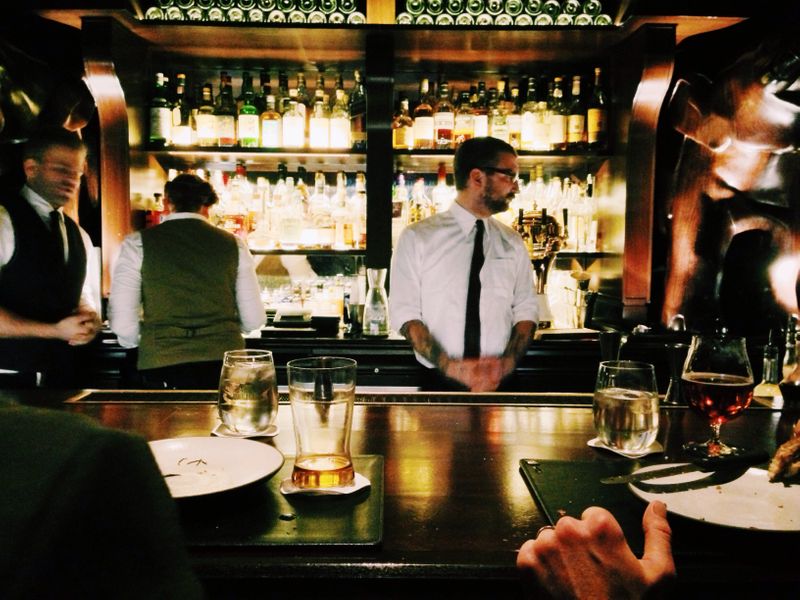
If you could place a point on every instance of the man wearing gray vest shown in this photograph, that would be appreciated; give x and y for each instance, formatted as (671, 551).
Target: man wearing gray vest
(184, 292)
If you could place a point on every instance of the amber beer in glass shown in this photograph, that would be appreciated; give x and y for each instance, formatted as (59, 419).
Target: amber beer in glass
(321, 393)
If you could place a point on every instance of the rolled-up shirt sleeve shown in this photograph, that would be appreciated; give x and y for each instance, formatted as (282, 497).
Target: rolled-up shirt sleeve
(248, 293)
(405, 300)
(125, 301)
(525, 305)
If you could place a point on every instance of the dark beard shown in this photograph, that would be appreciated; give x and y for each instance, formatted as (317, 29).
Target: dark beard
(496, 204)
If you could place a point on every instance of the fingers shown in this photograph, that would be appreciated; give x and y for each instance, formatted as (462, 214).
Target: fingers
(657, 560)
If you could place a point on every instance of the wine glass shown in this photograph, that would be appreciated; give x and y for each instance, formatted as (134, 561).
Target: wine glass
(717, 383)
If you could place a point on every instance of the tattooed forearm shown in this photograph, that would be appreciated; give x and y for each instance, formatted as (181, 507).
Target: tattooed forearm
(521, 336)
(423, 342)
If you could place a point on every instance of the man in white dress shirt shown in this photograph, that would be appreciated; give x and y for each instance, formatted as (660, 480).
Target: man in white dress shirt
(431, 272)
(46, 297)
(184, 291)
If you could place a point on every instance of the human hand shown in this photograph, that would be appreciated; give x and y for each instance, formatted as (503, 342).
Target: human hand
(477, 374)
(79, 328)
(589, 557)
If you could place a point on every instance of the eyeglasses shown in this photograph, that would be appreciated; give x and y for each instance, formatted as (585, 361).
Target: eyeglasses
(510, 173)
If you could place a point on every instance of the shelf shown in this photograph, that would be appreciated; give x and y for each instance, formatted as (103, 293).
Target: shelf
(258, 159)
(307, 252)
(427, 161)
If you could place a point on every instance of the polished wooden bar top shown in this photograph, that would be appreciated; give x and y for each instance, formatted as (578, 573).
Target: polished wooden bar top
(455, 505)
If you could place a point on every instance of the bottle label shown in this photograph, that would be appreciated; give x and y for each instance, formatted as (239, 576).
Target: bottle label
(271, 133)
(226, 130)
(160, 124)
(575, 128)
(293, 131)
(206, 129)
(423, 132)
(558, 129)
(340, 134)
(443, 120)
(481, 125)
(248, 130)
(319, 133)
(596, 124)
(402, 138)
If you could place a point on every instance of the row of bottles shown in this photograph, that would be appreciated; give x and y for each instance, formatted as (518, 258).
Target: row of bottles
(775, 370)
(503, 13)
(289, 214)
(292, 118)
(336, 12)
(569, 200)
(536, 115)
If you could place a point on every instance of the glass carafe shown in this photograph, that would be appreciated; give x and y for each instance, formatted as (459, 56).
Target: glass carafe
(376, 306)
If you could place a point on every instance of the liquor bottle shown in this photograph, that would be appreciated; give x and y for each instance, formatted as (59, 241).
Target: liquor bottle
(357, 207)
(435, 7)
(282, 99)
(181, 133)
(357, 105)
(514, 120)
(303, 99)
(771, 374)
(592, 7)
(342, 225)
(264, 90)
(558, 117)
(294, 125)
(576, 121)
(551, 8)
(225, 115)
(248, 122)
(533, 7)
(346, 6)
(475, 7)
(160, 114)
(454, 7)
(319, 127)
(790, 349)
(498, 126)
(571, 7)
(271, 134)
(528, 115)
(402, 127)
(340, 123)
(480, 113)
(307, 6)
(442, 194)
(423, 119)
(443, 119)
(205, 120)
(327, 6)
(319, 212)
(464, 127)
(286, 6)
(415, 7)
(597, 115)
(494, 7)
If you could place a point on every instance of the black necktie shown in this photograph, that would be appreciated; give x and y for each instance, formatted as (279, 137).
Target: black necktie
(472, 326)
(55, 231)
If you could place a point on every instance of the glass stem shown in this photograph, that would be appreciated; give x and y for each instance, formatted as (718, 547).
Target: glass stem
(715, 433)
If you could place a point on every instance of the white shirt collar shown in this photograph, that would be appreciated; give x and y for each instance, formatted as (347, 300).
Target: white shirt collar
(42, 207)
(464, 218)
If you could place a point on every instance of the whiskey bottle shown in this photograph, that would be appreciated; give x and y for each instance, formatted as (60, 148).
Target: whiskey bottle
(423, 119)
(528, 116)
(319, 127)
(597, 115)
(294, 124)
(340, 123)
(498, 126)
(443, 119)
(464, 127)
(160, 114)
(402, 127)
(441, 195)
(225, 115)
(514, 120)
(558, 117)
(576, 121)
(480, 114)
(357, 106)
(205, 120)
(248, 119)
(181, 133)
(271, 125)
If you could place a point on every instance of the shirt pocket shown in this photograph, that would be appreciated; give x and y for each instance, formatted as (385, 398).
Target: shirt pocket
(497, 278)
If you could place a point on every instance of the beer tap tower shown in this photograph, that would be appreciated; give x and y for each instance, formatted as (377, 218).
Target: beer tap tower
(546, 238)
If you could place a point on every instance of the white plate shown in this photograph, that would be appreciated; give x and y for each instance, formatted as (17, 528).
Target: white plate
(749, 502)
(196, 466)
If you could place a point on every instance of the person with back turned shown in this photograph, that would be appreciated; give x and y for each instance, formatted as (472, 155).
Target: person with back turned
(46, 305)
(461, 288)
(184, 291)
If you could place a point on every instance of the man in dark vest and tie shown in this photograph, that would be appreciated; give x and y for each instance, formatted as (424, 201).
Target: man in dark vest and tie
(46, 306)
(461, 282)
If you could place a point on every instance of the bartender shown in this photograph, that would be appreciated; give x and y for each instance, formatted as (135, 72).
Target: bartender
(461, 282)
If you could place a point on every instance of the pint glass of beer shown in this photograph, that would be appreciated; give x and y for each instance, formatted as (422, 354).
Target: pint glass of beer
(321, 393)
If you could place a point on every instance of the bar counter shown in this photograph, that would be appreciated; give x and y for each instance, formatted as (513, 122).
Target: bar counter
(455, 506)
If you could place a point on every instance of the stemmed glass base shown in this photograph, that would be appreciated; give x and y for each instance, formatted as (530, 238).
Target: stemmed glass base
(711, 447)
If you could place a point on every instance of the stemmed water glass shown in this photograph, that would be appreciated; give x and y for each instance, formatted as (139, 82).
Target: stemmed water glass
(717, 383)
